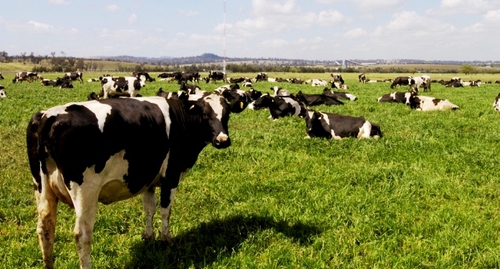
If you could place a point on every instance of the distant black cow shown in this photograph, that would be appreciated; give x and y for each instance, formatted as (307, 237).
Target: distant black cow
(399, 81)
(169, 74)
(145, 74)
(262, 76)
(214, 76)
(317, 99)
(74, 76)
(1, 77)
(335, 126)
(187, 76)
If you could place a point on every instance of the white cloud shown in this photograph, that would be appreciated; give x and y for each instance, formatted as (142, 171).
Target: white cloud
(58, 2)
(276, 7)
(331, 17)
(354, 33)
(376, 4)
(132, 18)
(38, 26)
(451, 7)
(112, 8)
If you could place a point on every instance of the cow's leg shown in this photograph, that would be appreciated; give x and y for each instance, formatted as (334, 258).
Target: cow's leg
(85, 199)
(149, 203)
(47, 214)
(168, 188)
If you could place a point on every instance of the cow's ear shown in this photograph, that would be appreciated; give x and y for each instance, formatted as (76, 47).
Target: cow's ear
(192, 107)
(239, 106)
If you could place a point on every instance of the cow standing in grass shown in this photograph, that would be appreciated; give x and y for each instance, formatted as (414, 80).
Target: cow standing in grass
(113, 149)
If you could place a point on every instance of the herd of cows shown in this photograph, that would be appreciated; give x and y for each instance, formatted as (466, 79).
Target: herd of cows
(78, 154)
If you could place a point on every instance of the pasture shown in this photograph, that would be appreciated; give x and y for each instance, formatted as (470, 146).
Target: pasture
(427, 194)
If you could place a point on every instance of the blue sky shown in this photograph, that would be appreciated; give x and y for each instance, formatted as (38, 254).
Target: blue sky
(304, 29)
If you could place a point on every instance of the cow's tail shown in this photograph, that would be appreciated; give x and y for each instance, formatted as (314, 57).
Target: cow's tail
(32, 136)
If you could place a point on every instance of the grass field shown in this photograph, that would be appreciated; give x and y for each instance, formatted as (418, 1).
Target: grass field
(425, 195)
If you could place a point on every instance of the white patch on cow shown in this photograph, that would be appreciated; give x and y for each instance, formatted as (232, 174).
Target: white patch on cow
(295, 105)
(100, 110)
(222, 137)
(351, 97)
(2, 94)
(365, 130)
(215, 104)
(327, 120)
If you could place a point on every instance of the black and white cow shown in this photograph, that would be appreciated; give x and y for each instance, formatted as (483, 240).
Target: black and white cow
(315, 82)
(130, 85)
(496, 103)
(2, 92)
(261, 76)
(427, 103)
(280, 106)
(317, 99)
(336, 77)
(362, 78)
(340, 95)
(74, 76)
(335, 126)
(25, 76)
(395, 97)
(79, 155)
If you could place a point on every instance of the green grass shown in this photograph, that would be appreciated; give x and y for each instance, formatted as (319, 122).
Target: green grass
(426, 195)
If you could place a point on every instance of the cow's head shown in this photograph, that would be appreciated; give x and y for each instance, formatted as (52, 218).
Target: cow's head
(412, 100)
(263, 101)
(214, 110)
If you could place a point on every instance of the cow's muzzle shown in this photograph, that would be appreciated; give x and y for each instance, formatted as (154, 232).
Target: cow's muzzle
(221, 141)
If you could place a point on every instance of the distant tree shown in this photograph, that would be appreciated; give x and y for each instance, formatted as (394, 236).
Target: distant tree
(467, 69)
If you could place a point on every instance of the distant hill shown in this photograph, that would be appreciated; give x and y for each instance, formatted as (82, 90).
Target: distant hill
(207, 58)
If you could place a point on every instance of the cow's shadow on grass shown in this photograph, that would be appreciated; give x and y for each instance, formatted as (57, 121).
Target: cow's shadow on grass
(206, 243)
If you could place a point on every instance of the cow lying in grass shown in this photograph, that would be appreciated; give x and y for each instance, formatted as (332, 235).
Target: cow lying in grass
(427, 103)
(317, 99)
(280, 106)
(335, 126)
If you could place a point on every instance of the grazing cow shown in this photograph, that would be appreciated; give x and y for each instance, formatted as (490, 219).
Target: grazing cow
(79, 155)
(2, 92)
(25, 76)
(335, 126)
(191, 89)
(317, 99)
(214, 76)
(130, 85)
(496, 103)
(340, 95)
(64, 83)
(362, 78)
(187, 76)
(74, 76)
(427, 103)
(399, 81)
(168, 74)
(395, 97)
(1, 77)
(336, 77)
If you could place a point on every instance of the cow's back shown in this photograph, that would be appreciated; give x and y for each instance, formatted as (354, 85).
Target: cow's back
(121, 140)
